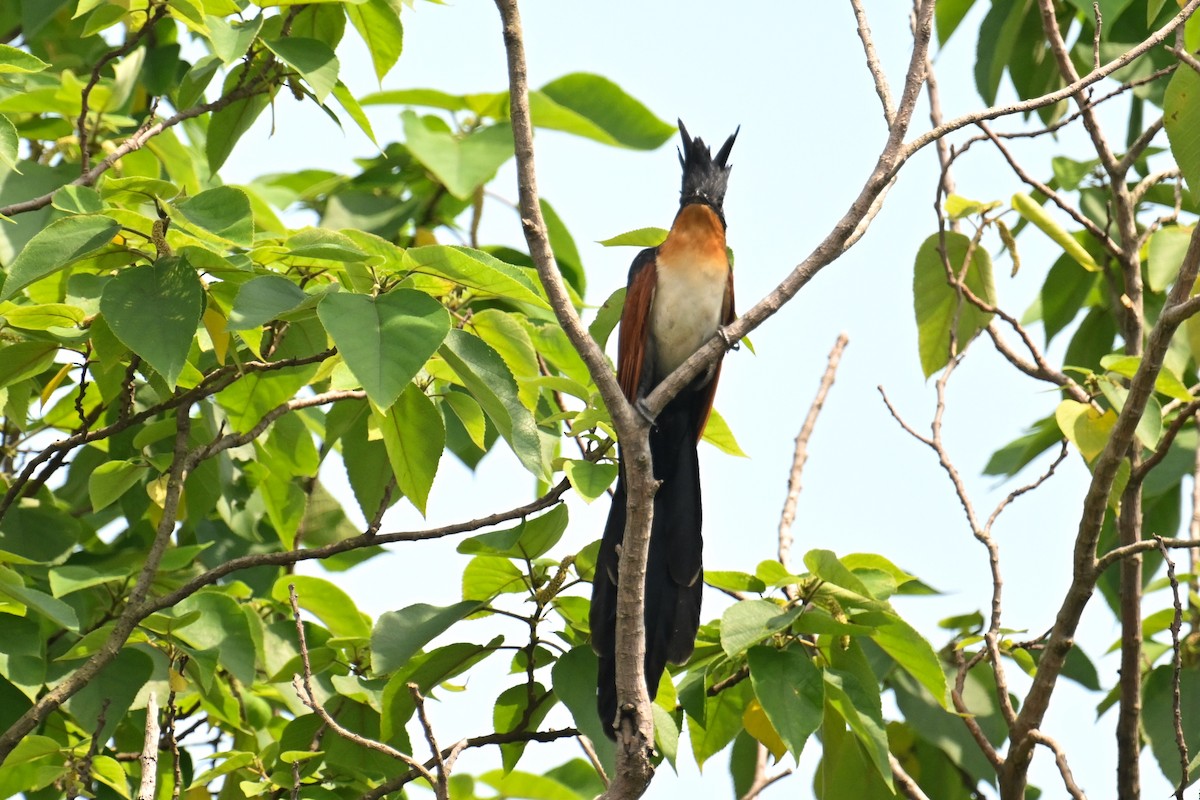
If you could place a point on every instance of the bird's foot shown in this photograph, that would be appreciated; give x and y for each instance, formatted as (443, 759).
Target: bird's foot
(730, 343)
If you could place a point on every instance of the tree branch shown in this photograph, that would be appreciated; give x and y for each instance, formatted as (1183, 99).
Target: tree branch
(801, 454)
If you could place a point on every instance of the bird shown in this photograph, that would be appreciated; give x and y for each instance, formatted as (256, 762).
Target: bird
(678, 296)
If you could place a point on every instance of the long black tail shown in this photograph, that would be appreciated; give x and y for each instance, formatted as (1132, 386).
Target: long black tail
(674, 573)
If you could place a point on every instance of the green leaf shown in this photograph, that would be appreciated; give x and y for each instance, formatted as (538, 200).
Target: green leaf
(590, 480)
(524, 784)
(1014, 456)
(222, 627)
(432, 98)
(154, 311)
(1158, 717)
(998, 34)
(490, 382)
(428, 671)
(791, 691)
(107, 770)
(378, 23)
(487, 576)
(1032, 211)
(531, 539)
(937, 303)
(574, 678)
(722, 721)
(44, 316)
(10, 141)
(596, 108)
(112, 479)
(22, 360)
(747, 623)
(642, 237)
(914, 655)
(327, 602)
(415, 436)
(261, 300)
(312, 58)
(470, 415)
(49, 607)
(385, 340)
(37, 534)
(461, 163)
(232, 38)
(111, 692)
(734, 581)
(475, 270)
(67, 579)
(510, 709)
(399, 635)
(223, 211)
(77, 200)
(566, 253)
(1167, 248)
(13, 60)
(228, 124)
(56, 246)
(718, 434)
(851, 701)
(351, 106)
(947, 15)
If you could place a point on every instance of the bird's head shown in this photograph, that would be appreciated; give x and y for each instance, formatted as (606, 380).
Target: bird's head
(704, 177)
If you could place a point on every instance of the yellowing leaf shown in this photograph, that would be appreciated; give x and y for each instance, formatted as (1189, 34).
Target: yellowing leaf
(215, 324)
(1086, 428)
(758, 726)
(1028, 208)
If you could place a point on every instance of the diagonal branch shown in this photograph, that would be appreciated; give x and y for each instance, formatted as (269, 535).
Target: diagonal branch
(801, 454)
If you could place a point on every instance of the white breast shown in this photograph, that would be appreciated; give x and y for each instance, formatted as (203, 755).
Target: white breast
(686, 312)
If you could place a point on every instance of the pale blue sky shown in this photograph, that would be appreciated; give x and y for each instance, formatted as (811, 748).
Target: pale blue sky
(793, 76)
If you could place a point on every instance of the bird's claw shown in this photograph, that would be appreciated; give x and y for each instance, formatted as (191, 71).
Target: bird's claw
(730, 343)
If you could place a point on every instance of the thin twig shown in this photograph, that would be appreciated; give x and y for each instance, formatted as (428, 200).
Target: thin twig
(1176, 671)
(442, 786)
(304, 690)
(585, 744)
(1060, 759)
(873, 65)
(762, 780)
(800, 456)
(398, 782)
(904, 782)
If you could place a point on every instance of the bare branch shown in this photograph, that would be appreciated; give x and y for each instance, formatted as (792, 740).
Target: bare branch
(397, 783)
(1033, 104)
(1039, 369)
(1176, 669)
(149, 754)
(1118, 553)
(635, 768)
(761, 779)
(442, 787)
(801, 454)
(873, 65)
(1060, 759)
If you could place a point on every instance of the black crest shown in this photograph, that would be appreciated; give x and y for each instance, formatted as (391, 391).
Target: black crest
(704, 177)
